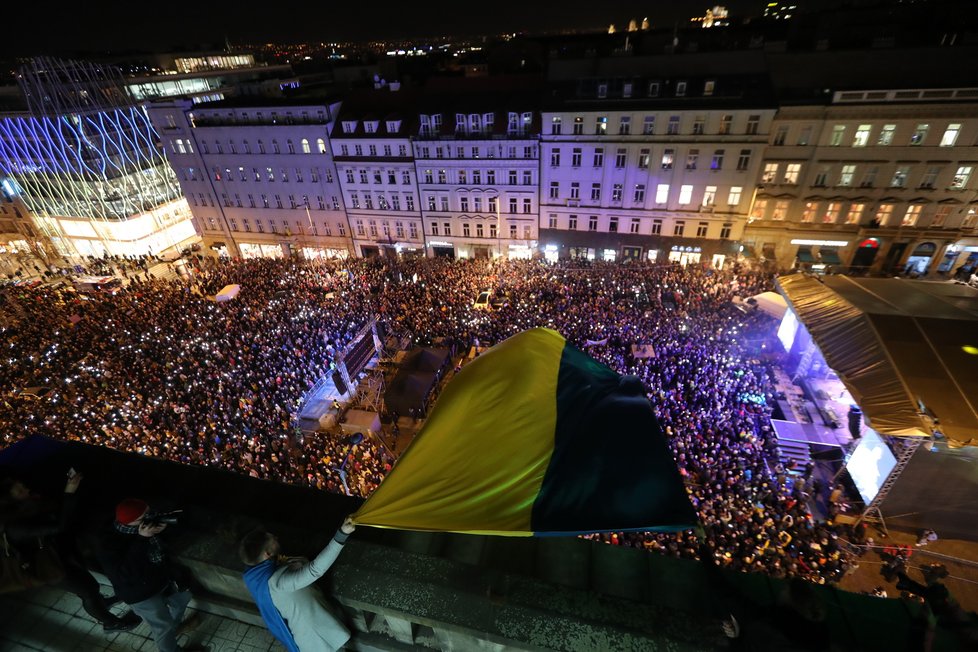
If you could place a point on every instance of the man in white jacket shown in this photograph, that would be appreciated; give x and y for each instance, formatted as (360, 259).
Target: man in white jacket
(293, 609)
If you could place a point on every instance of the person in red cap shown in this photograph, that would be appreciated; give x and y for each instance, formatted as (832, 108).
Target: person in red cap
(133, 559)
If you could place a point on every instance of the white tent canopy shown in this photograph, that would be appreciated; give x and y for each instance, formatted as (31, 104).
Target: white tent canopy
(771, 303)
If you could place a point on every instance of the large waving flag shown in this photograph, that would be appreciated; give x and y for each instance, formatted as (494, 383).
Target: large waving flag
(535, 438)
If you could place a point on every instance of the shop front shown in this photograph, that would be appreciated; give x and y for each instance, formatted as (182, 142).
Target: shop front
(866, 252)
(687, 255)
(919, 259)
(260, 250)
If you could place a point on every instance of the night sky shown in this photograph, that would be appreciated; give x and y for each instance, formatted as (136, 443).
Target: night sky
(161, 25)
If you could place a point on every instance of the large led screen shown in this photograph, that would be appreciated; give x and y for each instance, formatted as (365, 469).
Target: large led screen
(870, 464)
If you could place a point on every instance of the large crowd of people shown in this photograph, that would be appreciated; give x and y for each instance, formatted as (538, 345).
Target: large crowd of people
(163, 370)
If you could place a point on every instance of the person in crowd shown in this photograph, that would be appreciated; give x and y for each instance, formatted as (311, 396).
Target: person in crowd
(134, 560)
(159, 370)
(29, 519)
(295, 612)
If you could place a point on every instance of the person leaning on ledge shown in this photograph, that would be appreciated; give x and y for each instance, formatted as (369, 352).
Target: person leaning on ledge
(294, 610)
(133, 559)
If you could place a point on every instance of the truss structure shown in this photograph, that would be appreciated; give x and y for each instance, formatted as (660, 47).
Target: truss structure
(86, 149)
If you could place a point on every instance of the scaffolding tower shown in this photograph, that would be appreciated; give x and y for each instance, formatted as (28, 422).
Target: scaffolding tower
(872, 512)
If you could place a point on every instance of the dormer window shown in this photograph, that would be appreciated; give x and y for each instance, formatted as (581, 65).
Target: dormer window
(461, 123)
(349, 126)
(708, 87)
(370, 126)
(393, 126)
(680, 89)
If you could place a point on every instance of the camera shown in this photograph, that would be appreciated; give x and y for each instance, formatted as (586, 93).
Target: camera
(154, 518)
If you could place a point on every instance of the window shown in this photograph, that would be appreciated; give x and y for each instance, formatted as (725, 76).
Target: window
(431, 202)
(869, 179)
(648, 125)
(624, 125)
(701, 229)
(378, 176)
(595, 192)
(592, 223)
(600, 125)
(598, 157)
(680, 89)
(572, 222)
(899, 179)
(734, 197)
(919, 134)
(698, 125)
(886, 135)
(855, 214)
(434, 228)
(685, 195)
(725, 122)
(363, 176)
(846, 175)
(396, 202)
(613, 225)
(653, 89)
(448, 227)
(810, 211)
(805, 136)
(656, 227)
(491, 177)
(512, 177)
(770, 174)
(822, 178)
(692, 158)
(635, 225)
(930, 177)
(940, 216)
(662, 193)
(838, 134)
(883, 214)
(743, 161)
(406, 178)
(710, 196)
(578, 125)
(831, 215)
(725, 230)
(552, 221)
(513, 204)
(792, 172)
(667, 158)
(672, 129)
(708, 87)
(639, 195)
(409, 201)
(912, 215)
(443, 176)
(555, 157)
(477, 176)
(753, 122)
(576, 157)
(961, 177)
(620, 157)
(861, 139)
(950, 135)
(780, 210)
(555, 125)
(679, 228)
(512, 231)
(643, 158)
(463, 204)
(717, 162)
(270, 174)
(554, 189)
(780, 136)
(760, 207)
(443, 201)
(527, 205)
(616, 192)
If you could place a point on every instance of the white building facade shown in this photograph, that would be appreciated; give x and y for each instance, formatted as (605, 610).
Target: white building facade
(260, 177)
(478, 178)
(663, 171)
(375, 167)
(872, 181)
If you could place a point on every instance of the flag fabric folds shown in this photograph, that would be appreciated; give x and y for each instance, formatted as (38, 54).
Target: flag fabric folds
(535, 438)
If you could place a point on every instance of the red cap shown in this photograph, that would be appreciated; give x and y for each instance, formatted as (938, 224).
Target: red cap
(129, 510)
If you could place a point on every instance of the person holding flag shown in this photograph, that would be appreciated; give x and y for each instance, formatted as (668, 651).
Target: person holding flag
(294, 611)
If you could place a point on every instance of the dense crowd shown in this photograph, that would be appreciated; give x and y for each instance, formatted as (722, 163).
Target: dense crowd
(162, 370)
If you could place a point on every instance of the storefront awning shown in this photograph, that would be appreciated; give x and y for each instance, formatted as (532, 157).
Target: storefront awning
(899, 346)
(804, 255)
(829, 256)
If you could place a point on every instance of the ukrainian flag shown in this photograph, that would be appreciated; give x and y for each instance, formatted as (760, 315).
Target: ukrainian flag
(535, 438)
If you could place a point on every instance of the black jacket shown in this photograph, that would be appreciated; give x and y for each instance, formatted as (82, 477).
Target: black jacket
(125, 558)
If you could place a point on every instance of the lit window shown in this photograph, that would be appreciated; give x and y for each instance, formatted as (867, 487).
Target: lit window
(662, 193)
(861, 138)
(950, 135)
(685, 194)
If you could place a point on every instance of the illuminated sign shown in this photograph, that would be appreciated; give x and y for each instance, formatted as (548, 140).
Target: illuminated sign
(821, 243)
